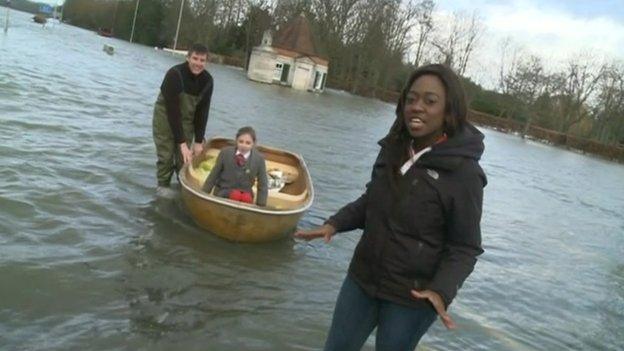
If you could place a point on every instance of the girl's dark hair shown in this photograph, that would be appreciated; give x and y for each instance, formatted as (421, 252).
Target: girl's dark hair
(247, 130)
(455, 109)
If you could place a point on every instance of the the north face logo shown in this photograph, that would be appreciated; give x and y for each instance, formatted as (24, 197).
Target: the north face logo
(433, 174)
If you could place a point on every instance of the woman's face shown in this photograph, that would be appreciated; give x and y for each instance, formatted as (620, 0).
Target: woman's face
(425, 109)
(244, 143)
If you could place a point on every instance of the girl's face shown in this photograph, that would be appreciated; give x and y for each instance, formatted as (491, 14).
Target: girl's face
(425, 109)
(244, 143)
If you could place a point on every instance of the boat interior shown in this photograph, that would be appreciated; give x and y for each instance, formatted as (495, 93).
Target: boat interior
(294, 189)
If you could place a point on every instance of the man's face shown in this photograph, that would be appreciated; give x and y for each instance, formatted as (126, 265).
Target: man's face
(197, 62)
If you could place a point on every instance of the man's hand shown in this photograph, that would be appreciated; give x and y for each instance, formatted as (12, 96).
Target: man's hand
(197, 148)
(438, 305)
(187, 155)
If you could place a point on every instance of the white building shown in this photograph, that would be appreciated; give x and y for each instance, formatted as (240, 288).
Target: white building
(290, 59)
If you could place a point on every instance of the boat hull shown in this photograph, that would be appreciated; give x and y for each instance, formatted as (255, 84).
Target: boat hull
(238, 224)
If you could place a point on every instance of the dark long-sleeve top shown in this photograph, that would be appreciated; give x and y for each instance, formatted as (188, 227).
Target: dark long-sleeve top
(180, 79)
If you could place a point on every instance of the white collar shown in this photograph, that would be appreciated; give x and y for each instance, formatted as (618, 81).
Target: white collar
(406, 166)
(245, 155)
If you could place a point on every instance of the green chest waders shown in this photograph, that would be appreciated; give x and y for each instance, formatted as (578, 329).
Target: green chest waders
(167, 150)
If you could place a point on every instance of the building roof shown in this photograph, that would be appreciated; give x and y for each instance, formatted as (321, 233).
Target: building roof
(289, 53)
(296, 36)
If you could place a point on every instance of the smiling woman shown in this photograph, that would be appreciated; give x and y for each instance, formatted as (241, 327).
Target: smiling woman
(421, 214)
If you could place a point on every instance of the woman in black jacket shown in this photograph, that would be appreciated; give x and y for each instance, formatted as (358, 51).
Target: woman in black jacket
(420, 216)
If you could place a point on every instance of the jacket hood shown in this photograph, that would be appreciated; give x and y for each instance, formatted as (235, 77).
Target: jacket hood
(467, 143)
(449, 155)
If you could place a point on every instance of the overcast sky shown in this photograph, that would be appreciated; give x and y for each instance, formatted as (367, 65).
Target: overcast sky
(552, 29)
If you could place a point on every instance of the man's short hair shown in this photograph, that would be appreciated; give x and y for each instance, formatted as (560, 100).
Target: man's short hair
(198, 48)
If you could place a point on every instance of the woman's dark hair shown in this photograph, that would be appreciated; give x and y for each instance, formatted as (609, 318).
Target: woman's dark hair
(247, 130)
(398, 139)
(455, 109)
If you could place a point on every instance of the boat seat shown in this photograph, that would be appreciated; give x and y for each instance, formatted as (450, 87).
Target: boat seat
(276, 199)
(283, 201)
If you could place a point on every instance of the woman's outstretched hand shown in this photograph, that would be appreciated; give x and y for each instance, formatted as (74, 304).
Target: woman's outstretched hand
(438, 305)
(326, 231)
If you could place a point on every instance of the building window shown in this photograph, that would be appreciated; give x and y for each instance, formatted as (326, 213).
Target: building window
(277, 73)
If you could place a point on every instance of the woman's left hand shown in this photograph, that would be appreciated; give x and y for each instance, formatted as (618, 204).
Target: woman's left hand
(438, 305)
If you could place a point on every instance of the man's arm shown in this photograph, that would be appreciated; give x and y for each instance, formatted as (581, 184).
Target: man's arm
(171, 88)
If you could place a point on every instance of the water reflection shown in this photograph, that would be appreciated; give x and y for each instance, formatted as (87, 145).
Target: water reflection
(180, 278)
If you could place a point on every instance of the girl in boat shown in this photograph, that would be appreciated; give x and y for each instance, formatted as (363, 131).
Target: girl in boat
(237, 169)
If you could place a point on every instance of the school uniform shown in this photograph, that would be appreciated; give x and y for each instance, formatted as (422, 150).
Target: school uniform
(228, 175)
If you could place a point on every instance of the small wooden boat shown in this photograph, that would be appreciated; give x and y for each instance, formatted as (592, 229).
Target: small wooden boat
(39, 18)
(242, 222)
(105, 32)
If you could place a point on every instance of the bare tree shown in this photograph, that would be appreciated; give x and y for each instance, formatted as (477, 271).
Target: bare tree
(608, 112)
(527, 82)
(578, 83)
(509, 59)
(424, 24)
(456, 47)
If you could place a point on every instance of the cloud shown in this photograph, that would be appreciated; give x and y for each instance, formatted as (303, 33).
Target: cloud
(561, 34)
(543, 29)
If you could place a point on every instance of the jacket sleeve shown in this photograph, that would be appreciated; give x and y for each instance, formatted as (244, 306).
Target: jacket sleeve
(463, 236)
(353, 215)
(263, 182)
(215, 173)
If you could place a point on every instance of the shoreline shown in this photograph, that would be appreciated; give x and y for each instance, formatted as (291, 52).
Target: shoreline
(508, 126)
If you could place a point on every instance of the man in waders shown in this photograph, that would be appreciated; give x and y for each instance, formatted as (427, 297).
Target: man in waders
(180, 115)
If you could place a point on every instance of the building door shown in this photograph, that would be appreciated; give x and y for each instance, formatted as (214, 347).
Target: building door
(319, 80)
(317, 75)
(285, 69)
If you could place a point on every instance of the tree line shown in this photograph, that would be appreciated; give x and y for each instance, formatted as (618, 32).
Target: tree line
(372, 45)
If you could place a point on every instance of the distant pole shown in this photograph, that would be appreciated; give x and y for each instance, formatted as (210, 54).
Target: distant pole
(115, 16)
(62, 9)
(175, 41)
(136, 9)
(6, 22)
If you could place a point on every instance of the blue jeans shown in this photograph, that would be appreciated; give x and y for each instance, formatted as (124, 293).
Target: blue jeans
(357, 314)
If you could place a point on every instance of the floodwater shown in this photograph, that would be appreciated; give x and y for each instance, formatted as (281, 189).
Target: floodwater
(91, 259)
